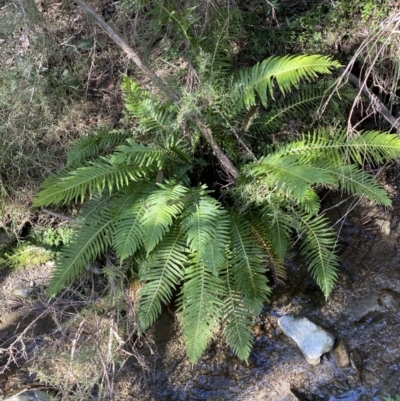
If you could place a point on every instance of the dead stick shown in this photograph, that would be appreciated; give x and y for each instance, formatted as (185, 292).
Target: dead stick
(380, 107)
(58, 215)
(226, 163)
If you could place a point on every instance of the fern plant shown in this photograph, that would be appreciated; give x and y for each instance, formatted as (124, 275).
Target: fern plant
(144, 196)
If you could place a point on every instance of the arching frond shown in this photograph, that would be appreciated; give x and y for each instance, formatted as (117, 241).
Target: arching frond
(199, 308)
(163, 271)
(317, 248)
(305, 103)
(363, 147)
(285, 72)
(262, 231)
(206, 228)
(248, 263)
(357, 182)
(129, 208)
(86, 181)
(88, 147)
(92, 238)
(279, 226)
(237, 318)
(162, 207)
(290, 175)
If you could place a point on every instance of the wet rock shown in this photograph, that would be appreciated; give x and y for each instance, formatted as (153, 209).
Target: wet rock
(390, 300)
(356, 359)
(341, 355)
(312, 340)
(30, 395)
(362, 306)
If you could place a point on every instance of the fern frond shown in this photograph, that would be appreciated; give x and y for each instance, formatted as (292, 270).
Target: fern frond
(200, 308)
(202, 226)
(357, 182)
(163, 272)
(363, 147)
(317, 248)
(92, 238)
(289, 174)
(88, 180)
(304, 102)
(162, 207)
(88, 147)
(286, 72)
(263, 235)
(128, 208)
(237, 318)
(248, 263)
(153, 116)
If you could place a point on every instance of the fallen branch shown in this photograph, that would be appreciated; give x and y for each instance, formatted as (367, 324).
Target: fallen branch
(375, 101)
(58, 215)
(226, 163)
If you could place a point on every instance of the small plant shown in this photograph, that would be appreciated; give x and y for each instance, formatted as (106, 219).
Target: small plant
(26, 255)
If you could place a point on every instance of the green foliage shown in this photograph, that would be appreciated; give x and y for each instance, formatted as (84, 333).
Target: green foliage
(25, 255)
(145, 199)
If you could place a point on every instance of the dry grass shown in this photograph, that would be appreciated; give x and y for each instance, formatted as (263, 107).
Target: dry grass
(58, 80)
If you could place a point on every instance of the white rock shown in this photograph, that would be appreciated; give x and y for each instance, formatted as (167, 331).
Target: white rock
(312, 340)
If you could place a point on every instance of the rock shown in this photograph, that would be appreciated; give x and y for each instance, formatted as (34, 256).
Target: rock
(356, 359)
(341, 355)
(390, 300)
(6, 238)
(384, 226)
(30, 395)
(23, 292)
(362, 306)
(312, 340)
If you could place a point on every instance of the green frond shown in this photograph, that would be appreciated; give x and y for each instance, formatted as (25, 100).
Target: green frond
(162, 207)
(88, 180)
(128, 208)
(310, 202)
(237, 318)
(289, 174)
(317, 248)
(304, 102)
(372, 146)
(163, 271)
(363, 147)
(265, 236)
(280, 228)
(356, 182)
(200, 308)
(285, 72)
(248, 262)
(88, 147)
(93, 237)
(153, 116)
(154, 154)
(207, 231)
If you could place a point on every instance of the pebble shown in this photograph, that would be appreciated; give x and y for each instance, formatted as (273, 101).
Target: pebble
(341, 355)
